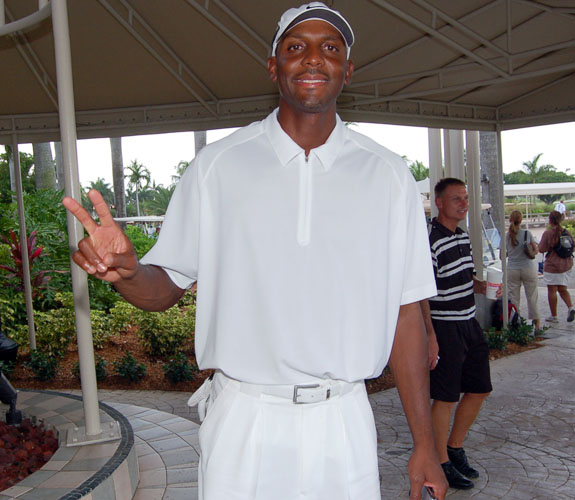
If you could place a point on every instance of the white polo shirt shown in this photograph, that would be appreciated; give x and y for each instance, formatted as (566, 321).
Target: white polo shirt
(301, 264)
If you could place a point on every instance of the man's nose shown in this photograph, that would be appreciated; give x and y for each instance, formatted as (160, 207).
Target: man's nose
(313, 57)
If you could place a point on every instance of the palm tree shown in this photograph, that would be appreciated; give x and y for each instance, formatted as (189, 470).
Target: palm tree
(159, 203)
(44, 168)
(180, 169)
(534, 170)
(118, 176)
(138, 178)
(419, 170)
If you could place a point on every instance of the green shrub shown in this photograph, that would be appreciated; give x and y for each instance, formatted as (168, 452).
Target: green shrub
(179, 369)
(6, 367)
(522, 334)
(101, 369)
(129, 368)
(496, 339)
(54, 332)
(43, 365)
(122, 316)
(56, 328)
(101, 331)
(141, 241)
(162, 334)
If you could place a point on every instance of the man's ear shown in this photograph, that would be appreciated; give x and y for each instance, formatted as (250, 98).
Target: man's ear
(438, 202)
(348, 72)
(272, 69)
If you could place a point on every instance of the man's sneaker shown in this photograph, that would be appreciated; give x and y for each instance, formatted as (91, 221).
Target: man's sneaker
(458, 458)
(454, 477)
(552, 319)
(571, 315)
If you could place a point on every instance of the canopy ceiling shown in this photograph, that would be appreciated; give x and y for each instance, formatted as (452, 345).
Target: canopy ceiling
(146, 66)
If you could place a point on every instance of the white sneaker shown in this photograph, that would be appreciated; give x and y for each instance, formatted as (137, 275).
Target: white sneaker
(571, 315)
(552, 319)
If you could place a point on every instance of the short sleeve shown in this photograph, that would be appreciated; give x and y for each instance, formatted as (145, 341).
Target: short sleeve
(176, 250)
(419, 276)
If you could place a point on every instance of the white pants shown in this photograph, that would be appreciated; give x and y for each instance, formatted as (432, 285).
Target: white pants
(268, 448)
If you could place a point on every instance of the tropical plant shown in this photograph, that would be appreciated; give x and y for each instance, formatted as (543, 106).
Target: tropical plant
(180, 169)
(536, 171)
(419, 170)
(159, 203)
(6, 187)
(139, 177)
(15, 277)
(105, 190)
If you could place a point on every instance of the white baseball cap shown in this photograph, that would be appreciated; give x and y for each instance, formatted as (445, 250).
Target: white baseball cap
(307, 12)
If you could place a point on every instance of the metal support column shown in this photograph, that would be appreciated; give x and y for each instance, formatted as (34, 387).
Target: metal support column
(435, 164)
(24, 243)
(474, 189)
(501, 224)
(75, 230)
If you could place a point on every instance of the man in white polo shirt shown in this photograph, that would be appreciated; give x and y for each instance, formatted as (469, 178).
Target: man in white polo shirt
(309, 247)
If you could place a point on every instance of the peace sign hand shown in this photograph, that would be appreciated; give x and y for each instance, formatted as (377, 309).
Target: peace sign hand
(106, 253)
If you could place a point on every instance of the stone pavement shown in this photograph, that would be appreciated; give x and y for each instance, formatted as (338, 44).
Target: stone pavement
(523, 442)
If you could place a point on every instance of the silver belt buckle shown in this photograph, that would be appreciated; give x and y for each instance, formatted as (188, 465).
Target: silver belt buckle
(296, 393)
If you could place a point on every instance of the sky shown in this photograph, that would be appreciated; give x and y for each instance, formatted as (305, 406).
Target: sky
(160, 153)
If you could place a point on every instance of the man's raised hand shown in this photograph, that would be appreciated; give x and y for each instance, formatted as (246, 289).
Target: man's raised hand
(106, 253)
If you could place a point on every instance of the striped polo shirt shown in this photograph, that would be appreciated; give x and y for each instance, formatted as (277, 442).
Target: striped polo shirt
(453, 268)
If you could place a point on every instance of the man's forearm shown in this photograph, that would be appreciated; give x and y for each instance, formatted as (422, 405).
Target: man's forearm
(410, 369)
(426, 313)
(150, 289)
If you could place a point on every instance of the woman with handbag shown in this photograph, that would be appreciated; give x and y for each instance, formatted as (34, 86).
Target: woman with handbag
(556, 269)
(521, 266)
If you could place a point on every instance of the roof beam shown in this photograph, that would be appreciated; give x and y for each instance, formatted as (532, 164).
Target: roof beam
(462, 28)
(226, 31)
(440, 36)
(176, 72)
(32, 60)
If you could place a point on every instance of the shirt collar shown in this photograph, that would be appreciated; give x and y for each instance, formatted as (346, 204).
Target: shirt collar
(445, 230)
(286, 149)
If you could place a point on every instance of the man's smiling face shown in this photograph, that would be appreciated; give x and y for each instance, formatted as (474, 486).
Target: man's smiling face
(311, 67)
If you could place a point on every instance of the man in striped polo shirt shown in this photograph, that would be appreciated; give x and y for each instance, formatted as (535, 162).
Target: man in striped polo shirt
(459, 355)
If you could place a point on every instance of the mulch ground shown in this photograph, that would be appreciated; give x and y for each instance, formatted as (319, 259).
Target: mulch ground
(23, 377)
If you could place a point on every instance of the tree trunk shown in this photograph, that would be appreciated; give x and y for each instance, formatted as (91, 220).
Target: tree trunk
(200, 138)
(11, 169)
(118, 176)
(490, 175)
(44, 171)
(59, 165)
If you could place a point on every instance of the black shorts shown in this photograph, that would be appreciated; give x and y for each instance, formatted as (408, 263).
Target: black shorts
(464, 361)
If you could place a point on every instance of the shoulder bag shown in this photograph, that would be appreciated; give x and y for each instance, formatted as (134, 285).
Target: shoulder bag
(528, 247)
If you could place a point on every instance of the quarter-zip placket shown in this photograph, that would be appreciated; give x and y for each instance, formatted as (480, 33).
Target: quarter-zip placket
(305, 200)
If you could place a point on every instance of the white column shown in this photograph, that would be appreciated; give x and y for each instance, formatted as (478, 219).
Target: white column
(446, 155)
(474, 189)
(503, 246)
(435, 164)
(456, 158)
(24, 243)
(75, 230)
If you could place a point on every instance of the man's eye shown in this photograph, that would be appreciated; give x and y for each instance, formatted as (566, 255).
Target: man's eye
(332, 48)
(294, 46)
